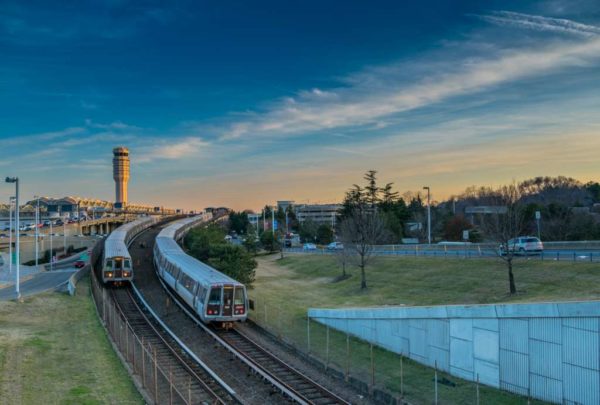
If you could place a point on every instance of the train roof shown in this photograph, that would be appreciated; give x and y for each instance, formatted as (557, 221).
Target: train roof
(194, 268)
(115, 245)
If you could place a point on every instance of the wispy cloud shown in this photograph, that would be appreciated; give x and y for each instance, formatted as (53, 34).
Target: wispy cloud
(540, 23)
(369, 97)
(172, 149)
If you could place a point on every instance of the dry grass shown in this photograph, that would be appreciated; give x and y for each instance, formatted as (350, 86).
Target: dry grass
(53, 350)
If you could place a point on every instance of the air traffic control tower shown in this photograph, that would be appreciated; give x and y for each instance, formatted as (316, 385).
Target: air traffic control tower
(121, 175)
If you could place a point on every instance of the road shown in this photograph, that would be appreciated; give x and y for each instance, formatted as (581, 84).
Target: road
(38, 283)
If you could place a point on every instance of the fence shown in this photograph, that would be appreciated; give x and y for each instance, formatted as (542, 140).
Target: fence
(391, 378)
(153, 376)
(544, 350)
(585, 251)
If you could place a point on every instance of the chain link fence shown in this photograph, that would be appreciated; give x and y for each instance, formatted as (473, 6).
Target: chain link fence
(387, 377)
(150, 368)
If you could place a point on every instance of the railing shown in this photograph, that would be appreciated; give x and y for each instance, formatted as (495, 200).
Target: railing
(575, 251)
(156, 381)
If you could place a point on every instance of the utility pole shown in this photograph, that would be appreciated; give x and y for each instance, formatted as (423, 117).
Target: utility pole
(11, 201)
(273, 221)
(18, 247)
(428, 214)
(51, 248)
(37, 230)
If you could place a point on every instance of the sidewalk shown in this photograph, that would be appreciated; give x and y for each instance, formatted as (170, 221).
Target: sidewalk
(7, 278)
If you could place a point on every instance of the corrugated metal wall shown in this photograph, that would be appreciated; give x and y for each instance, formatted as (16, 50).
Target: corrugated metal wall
(548, 351)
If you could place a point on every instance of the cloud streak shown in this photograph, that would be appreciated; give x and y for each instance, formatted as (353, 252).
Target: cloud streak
(365, 102)
(540, 23)
(172, 149)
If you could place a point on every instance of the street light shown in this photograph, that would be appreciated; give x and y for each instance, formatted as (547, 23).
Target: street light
(428, 214)
(11, 201)
(37, 229)
(51, 247)
(18, 225)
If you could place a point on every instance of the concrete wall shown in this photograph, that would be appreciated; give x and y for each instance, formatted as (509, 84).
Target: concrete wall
(549, 350)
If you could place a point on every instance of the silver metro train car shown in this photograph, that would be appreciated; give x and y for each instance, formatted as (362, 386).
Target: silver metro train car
(117, 266)
(214, 296)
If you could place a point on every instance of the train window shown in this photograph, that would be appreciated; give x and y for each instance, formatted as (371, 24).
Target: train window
(238, 298)
(201, 293)
(215, 296)
(109, 264)
(127, 264)
(118, 263)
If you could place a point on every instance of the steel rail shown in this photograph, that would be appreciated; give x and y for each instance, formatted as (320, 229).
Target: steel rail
(258, 368)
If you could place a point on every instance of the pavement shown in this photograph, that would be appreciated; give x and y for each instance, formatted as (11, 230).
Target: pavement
(38, 283)
(33, 280)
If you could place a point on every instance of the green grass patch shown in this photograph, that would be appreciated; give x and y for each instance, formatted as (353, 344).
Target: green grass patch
(285, 288)
(53, 350)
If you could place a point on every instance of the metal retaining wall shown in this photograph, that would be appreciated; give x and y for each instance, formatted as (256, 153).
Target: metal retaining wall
(549, 351)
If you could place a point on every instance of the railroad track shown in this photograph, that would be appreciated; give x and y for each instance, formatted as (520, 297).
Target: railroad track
(303, 387)
(289, 381)
(201, 386)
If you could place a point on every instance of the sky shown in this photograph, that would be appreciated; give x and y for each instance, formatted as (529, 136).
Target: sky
(241, 103)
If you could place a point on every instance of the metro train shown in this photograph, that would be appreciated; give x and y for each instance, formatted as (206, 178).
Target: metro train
(215, 297)
(117, 266)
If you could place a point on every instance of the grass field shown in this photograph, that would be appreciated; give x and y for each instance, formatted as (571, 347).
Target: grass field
(286, 288)
(53, 350)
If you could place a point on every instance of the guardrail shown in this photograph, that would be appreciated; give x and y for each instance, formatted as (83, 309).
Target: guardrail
(585, 251)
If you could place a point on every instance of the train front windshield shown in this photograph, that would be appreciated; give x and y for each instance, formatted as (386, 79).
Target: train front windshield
(214, 301)
(118, 267)
(239, 301)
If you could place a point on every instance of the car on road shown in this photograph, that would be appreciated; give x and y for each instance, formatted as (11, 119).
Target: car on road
(335, 246)
(4, 235)
(523, 245)
(309, 246)
(79, 264)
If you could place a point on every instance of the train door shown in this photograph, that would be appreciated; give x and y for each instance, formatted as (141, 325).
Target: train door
(227, 300)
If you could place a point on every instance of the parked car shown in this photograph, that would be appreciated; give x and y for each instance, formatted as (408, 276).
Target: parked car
(335, 246)
(79, 264)
(523, 245)
(4, 235)
(309, 246)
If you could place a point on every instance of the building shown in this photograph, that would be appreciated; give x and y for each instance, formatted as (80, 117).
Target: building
(253, 219)
(472, 213)
(121, 175)
(318, 213)
(284, 205)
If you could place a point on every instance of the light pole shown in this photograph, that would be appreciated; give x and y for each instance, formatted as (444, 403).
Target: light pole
(11, 201)
(428, 214)
(64, 236)
(51, 248)
(273, 221)
(18, 247)
(37, 229)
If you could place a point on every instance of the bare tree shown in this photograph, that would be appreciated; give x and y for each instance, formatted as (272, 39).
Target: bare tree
(505, 222)
(343, 257)
(360, 230)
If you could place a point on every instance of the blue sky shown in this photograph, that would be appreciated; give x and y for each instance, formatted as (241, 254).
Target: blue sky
(239, 104)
